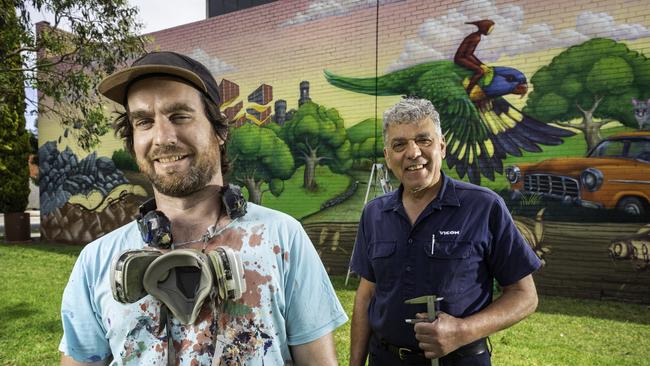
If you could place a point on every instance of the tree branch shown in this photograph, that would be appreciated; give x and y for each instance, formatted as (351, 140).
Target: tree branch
(604, 122)
(566, 124)
(597, 101)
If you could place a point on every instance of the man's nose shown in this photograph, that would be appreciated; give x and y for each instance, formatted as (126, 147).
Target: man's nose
(412, 150)
(165, 133)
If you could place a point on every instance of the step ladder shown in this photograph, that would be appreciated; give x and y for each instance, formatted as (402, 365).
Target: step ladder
(379, 179)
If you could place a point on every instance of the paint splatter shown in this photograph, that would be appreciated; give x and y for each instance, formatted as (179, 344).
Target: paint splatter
(245, 338)
(256, 236)
(254, 281)
(233, 237)
(277, 249)
(286, 256)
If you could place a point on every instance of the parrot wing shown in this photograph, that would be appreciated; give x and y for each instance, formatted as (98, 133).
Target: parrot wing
(477, 141)
(508, 132)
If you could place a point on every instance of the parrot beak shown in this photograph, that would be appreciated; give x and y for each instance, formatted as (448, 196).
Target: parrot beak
(521, 89)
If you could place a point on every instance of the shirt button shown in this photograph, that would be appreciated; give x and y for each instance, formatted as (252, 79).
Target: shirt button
(408, 268)
(410, 241)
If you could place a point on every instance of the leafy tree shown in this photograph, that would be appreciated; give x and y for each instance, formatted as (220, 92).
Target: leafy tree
(124, 160)
(14, 138)
(259, 156)
(99, 37)
(593, 82)
(316, 136)
(366, 140)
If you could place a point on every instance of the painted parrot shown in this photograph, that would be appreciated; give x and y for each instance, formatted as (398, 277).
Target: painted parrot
(481, 128)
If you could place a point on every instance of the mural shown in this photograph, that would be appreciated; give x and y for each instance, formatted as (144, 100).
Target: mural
(543, 102)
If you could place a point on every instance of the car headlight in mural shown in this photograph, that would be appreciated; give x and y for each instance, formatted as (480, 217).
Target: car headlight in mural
(513, 173)
(591, 179)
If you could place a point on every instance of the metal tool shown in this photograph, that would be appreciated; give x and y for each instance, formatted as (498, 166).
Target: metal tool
(432, 308)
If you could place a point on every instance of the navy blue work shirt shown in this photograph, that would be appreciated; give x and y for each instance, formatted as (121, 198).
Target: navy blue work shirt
(462, 240)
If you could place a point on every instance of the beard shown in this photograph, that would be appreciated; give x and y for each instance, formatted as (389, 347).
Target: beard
(175, 183)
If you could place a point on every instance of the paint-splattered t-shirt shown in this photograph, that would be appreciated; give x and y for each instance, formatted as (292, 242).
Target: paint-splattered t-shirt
(289, 301)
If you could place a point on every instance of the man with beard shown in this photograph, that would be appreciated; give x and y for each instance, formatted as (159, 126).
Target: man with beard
(177, 134)
(434, 236)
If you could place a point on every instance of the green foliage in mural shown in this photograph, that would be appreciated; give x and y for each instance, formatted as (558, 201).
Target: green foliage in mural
(99, 37)
(593, 82)
(124, 161)
(366, 140)
(14, 139)
(259, 156)
(317, 136)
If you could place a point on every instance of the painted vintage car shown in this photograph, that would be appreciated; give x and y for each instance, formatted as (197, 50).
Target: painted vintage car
(614, 174)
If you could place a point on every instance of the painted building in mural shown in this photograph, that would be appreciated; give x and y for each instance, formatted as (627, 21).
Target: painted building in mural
(556, 121)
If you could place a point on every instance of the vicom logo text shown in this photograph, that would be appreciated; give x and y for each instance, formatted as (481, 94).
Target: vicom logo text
(450, 232)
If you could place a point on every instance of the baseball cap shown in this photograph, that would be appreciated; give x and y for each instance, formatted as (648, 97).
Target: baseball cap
(115, 86)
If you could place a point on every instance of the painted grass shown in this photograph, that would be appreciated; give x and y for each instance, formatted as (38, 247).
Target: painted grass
(562, 332)
(298, 202)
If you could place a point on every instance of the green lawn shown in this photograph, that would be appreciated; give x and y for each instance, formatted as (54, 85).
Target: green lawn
(562, 332)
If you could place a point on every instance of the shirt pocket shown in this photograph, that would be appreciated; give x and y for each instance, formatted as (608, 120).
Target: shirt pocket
(383, 258)
(448, 264)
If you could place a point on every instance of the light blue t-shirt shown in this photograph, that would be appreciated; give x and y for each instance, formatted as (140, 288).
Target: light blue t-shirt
(289, 301)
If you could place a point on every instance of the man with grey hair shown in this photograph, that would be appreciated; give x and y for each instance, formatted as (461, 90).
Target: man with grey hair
(434, 236)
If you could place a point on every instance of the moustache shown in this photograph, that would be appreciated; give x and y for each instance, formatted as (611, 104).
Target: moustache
(166, 150)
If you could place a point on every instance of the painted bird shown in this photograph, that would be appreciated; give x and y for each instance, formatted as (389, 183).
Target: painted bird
(481, 128)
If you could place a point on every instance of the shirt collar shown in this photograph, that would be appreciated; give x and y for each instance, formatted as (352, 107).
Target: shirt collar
(446, 196)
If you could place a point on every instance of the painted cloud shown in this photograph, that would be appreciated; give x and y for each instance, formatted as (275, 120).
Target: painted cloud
(439, 37)
(326, 8)
(216, 66)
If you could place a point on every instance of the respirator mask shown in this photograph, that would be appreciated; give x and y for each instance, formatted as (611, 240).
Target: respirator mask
(182, 279)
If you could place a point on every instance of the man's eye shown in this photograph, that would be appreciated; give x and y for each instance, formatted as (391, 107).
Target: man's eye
(179, 117)
(143, 123)
(424, 142)
(398, 146)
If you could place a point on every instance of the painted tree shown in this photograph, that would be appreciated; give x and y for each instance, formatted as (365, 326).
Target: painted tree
(259, 156)
(366, 140)
(316, 136)
(594, 83)
(66, 60)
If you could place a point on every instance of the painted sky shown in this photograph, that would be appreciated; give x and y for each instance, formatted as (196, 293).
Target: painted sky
(340, 36)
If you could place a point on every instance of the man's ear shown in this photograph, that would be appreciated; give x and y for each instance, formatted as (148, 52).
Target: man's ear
(386, 155)
(220, 138)
(443, 147)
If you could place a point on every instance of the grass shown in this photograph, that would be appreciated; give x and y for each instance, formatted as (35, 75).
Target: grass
(562, 332)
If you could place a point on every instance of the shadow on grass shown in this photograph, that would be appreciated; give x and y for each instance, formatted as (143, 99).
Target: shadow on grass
(601, 309)
(56, 248)
(24, 310)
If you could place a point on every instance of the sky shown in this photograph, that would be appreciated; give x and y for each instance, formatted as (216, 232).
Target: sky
(154, 16)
